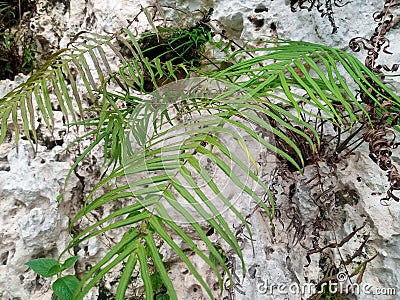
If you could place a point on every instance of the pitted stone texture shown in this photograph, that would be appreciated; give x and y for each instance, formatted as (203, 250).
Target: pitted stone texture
(31, 223)
(57, 22)
(7, 85)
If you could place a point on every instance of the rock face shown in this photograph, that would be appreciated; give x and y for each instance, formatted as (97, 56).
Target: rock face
(33, 224)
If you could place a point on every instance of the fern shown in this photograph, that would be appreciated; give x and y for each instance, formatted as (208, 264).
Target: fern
(87, 57)
(154, 144)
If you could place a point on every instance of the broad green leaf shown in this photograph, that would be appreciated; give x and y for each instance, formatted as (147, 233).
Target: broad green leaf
(64, 287)
(45, 267)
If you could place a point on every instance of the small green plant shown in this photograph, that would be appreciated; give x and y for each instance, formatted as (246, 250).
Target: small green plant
(160, 291)
(17, 54)
(8, 16)
(17, 48)
(64, 286)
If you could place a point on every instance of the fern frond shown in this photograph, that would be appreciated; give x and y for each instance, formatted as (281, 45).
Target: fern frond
(292, 68)
(167, 180)
(166, 163)
(81, 69)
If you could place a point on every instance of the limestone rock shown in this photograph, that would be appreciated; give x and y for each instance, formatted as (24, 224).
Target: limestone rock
(31, 223)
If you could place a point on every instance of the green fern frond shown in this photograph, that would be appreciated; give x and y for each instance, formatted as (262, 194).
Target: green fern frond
(166, 161)
(85, 64)
(170, 179)
(170, 166)
(291, 68)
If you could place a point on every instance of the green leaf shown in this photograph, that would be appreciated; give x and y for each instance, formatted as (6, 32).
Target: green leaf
(221, 251)
(115, 256)
(156, 281)
(160, 230)
(59, 197)
(156, 256)
(45, 267)
(126, 277)
(163, 297)
(69, 263)
(145, 272)
(64, 287)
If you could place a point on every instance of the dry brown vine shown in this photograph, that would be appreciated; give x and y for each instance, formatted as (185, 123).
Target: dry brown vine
(385, 115)
(378, 41)
(327, 11)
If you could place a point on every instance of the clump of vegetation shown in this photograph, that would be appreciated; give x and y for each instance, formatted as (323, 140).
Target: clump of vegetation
(17, 47)
(176, 45)
(174, 51)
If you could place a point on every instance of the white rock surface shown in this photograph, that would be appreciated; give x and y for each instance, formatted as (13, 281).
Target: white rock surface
(7, 85)
(31, 222)
(33, 225)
